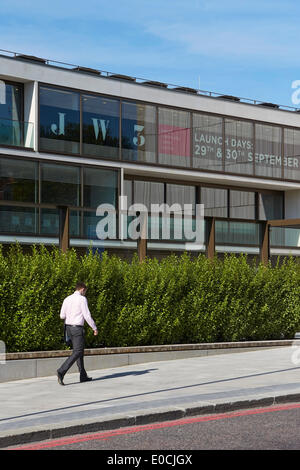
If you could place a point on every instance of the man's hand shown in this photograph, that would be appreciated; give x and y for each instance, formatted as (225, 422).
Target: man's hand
(95, 332)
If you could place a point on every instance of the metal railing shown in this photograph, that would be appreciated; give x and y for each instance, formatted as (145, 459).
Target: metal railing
(143, 81)
(241, 235)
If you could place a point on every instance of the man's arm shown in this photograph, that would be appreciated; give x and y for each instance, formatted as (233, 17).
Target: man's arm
(87, 315)
(63, 311)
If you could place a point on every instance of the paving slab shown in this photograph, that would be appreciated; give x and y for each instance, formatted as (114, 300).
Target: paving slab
(40, 408)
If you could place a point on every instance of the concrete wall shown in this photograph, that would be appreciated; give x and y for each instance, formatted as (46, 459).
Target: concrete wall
(20, 366)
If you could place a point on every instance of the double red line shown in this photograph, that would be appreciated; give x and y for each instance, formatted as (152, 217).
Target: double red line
(130, 430)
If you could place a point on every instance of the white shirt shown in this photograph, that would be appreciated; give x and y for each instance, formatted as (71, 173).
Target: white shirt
(75, 310)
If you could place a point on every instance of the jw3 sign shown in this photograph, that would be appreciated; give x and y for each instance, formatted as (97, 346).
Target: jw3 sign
(176, 141)
(101, 129)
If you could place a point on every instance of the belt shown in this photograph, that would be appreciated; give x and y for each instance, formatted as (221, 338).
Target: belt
(78, 326)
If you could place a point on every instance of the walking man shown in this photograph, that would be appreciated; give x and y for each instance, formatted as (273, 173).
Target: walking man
(75, 311)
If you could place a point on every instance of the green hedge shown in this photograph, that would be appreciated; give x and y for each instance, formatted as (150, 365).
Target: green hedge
(176, 300)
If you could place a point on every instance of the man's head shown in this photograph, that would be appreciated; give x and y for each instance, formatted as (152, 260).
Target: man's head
(81, 288)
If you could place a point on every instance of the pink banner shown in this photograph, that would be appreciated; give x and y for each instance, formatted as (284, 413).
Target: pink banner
(173, 140)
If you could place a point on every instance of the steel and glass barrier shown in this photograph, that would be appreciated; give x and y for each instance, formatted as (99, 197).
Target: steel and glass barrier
(156, 232)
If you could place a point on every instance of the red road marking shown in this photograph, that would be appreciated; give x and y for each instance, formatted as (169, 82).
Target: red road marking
(148, 427)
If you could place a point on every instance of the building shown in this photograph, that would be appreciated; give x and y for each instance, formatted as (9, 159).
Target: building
(72, 138)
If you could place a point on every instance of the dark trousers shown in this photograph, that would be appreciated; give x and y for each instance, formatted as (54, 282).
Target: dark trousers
(76, 334)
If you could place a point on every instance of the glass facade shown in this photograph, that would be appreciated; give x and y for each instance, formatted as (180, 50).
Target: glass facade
(11, 101)
(60, 184)
(18, 219)
(18, 180)
(37, 185)
(138, 132)
(93, 125)
(207, 142)
(59, 120)
(241, 205)
(13, 131)
(292, 154)
(271, 206)
(268, 151)
(100, 126)
(174, 137)
(215, 202)
(239, 146)
(100, 186)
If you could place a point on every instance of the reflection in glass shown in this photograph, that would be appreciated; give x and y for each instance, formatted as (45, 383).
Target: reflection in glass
(12, 128)
(147, 193)
(75, 224)
(181, 194)
(215, 202)
(242, 205)
(128, 191)
(174, 137)
(286, 237)
(100, 186)
(268, 158)
(18, 219)
(207, 142)
(90, 222)
(100, 123)
(11, 97)
(138, 132)
(18, 180)
(49, 222)
(292, 154)
(59, 120)
(60, 184)
(239, 146)
(241, 233)
(271, 206)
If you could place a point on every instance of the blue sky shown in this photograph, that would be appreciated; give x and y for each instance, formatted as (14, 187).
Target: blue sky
(245, 48)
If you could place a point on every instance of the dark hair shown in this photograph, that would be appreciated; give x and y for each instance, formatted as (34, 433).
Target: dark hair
(80, 285)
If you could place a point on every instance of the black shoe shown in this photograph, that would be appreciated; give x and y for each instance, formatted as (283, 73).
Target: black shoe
(86, 379)
(60, 378)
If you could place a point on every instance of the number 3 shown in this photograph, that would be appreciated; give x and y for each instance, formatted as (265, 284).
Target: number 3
(139, 139)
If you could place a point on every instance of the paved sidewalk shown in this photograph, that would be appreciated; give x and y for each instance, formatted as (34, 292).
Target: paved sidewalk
(40, 408)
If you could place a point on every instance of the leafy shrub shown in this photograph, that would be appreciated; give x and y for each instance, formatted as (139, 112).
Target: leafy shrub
(176, 300)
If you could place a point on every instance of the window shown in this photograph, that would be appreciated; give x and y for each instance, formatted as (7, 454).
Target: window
(239, 146)
(180, 194)
(268, 158)
(60, 184)
(174, 137)
(242, 204)
(18, 180)
(11, 97)
(11, 114)
(100, 186)
(215, 202)
(100, 124)
(50, 222)
(207, 142)
(147, 193)
(138, 132)
(59, 120)
(271, 206)
(291, 160)
(18, 219)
